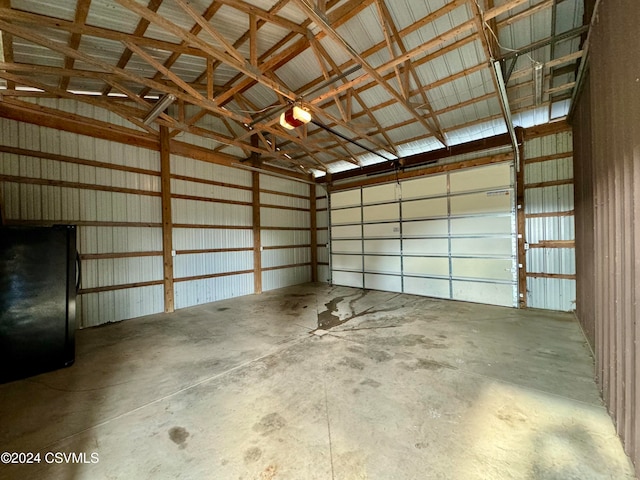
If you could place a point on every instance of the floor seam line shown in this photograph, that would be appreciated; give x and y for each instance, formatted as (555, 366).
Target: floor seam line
(182, 390)
(326, 409)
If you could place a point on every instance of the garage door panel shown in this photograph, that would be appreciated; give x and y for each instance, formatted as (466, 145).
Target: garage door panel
(425, 228)
(345, 199)
(379, 263)
(347, 215)
(346, 246)
(379, 193)
(485, 268)
(382, 230)
(489, 177)
(481, 246)
(492, 293)
(377, 213)
(382, 246)
(347, 262)
(383, 282)
(347, 279)
(450, 235)
(424, 187)
(482, 225)
(433, 207)
(426, 266)
(346, 231)
(426, 246)
(430, 287)
(478, 203)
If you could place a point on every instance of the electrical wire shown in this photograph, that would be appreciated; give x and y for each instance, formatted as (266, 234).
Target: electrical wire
(488, 27)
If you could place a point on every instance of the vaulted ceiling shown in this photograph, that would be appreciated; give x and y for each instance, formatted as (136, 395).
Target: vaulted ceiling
(382, 79)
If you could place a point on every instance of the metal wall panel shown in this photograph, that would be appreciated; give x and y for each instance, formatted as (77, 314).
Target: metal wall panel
(549, 219)
(82, 203)
(285, 277)
(104, 307)
(607, 124)
(288, 215)
(197, 292)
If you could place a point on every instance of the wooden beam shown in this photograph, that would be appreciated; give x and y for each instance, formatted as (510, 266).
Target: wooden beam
(141, 28)
(372, 72)
(123, 74)
(494, 12)
(554, 244)
(208, 28)
(525, 14)
(111, 288)
(52, 118)
(224, 57)
(565, 213)
(562, 276)
(7, 44)
(256, 224)
(550, 183)
(167, 220)
(253, 40)
(546, 158)
(38, 21)
(195, 30)
(313, 223)
(82, 10)
(547, 129)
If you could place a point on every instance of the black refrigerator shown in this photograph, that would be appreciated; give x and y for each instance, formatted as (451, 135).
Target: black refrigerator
(38, 285)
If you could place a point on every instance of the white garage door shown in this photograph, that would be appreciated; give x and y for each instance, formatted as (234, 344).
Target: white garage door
(451, 235)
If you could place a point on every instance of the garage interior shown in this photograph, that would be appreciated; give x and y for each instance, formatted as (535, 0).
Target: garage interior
(331, 238)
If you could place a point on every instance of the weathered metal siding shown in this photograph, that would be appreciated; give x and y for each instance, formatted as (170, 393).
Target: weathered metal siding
(285, 232)
(117, 212)
(607, 124)
(550, 232)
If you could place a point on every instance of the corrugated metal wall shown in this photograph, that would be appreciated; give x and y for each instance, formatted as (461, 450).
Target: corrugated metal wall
(112, 192)
(212, 234)
(322, 233)
(285, 232)
(607, 126)
(549, 213)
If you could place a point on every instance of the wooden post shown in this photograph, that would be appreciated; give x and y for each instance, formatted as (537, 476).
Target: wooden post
(257, 243)
(313, 227)
(521, 224)
(167, 222)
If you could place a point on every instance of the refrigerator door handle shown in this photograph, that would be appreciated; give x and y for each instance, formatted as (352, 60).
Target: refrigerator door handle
(79, 272)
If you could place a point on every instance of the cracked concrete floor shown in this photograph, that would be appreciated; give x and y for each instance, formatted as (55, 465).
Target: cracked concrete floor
(399, 387)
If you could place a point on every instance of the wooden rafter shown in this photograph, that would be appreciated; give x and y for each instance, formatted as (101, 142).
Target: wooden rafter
(387, 20)
(124, 74)
(82, 10)
(230, 111)
(220, 55)
(141, 28)
(7, 43)
(372, 72)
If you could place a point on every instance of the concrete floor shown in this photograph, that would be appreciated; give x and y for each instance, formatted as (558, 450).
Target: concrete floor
(402, 387)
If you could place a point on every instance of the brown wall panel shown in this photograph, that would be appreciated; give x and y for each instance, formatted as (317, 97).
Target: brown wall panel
(607, 153)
